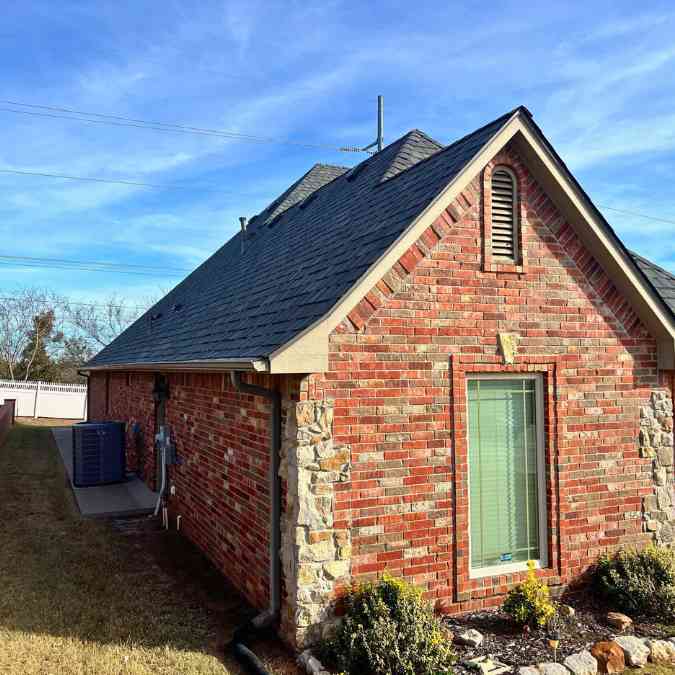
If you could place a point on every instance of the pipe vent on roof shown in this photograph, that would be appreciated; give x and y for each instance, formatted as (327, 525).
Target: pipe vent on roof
(504, 215)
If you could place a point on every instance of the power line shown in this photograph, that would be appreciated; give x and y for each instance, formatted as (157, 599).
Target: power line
(638, 215)
(107, 180)
(66, 301)
(94, 263)
(120, 121)
(86, 266)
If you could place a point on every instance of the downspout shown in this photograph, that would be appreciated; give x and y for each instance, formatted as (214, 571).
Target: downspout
(268, 617)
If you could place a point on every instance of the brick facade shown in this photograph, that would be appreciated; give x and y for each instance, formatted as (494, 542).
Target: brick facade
(397, 376)
(223, 442)
(396, 388)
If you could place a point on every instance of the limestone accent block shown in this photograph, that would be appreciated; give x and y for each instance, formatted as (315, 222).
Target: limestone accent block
(655, 440)
(316, 557)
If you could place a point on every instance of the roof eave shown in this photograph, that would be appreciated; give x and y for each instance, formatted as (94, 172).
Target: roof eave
(214, 365)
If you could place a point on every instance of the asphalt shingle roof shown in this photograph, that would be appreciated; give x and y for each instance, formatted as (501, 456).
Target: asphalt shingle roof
(662, 280)
(302, 254)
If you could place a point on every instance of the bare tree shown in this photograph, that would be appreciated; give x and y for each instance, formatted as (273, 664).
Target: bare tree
(17, 323)
(99, 324)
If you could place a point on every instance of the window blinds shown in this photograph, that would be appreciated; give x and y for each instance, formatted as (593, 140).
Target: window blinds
(503, 471)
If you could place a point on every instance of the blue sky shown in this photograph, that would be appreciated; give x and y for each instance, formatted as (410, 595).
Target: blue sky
(598, 76)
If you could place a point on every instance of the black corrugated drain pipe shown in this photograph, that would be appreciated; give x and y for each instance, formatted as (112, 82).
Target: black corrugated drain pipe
(241, 636)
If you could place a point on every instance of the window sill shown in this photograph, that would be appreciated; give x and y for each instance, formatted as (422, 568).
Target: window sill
(498, 570)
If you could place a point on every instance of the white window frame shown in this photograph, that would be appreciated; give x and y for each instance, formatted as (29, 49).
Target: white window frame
(542, 562)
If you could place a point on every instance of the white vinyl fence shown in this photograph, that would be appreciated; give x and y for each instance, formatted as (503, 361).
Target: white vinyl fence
(46, 399)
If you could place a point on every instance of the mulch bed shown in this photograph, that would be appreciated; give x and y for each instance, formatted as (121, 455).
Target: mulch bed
(504, 641)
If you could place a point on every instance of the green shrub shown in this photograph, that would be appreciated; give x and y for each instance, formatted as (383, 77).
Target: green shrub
(389, 630)
(638, 582)
(529, 602)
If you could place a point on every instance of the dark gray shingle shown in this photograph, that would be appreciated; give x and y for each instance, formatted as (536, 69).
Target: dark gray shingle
(301, 256)
(662, 280)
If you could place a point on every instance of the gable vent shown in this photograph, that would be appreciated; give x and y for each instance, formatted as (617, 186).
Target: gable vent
(504, 226)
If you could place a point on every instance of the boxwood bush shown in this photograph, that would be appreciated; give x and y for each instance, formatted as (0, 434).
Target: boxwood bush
(529, 602)
(388, 629)
(641, 583)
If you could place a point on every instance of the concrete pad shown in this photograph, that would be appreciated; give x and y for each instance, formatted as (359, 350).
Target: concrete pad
(131, 498)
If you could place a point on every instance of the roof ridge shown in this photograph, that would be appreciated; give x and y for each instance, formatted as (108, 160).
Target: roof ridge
(331, 166)
(446, 148)
(426, 135)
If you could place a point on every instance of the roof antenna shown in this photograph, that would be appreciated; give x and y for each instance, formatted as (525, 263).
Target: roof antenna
(380, 126)
(242, 222)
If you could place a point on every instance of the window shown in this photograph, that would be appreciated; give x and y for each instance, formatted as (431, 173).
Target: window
(507, 499)
(504, 215)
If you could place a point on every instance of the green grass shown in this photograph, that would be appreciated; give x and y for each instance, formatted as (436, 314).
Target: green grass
(652, 669)
(77, 596)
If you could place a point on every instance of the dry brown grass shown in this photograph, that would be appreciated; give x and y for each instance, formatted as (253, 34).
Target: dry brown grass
(81, 596)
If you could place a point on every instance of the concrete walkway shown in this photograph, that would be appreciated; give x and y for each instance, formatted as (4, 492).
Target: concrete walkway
(132, 498)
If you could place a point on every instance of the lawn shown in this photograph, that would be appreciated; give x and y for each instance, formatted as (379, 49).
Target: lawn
(111, 598)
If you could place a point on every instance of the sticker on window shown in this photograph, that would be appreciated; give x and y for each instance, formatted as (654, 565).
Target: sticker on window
(506, 557)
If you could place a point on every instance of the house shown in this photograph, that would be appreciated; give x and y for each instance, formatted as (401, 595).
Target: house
(442, 363)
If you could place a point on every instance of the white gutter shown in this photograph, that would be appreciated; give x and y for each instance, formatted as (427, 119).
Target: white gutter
(218, 365)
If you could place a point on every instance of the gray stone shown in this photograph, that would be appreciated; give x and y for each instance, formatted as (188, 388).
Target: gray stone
(552, 669)
(665, 455)
(635, 650)
(582, 663)
(310, 663)
(663, 498)
(527, 670)
(660, 475)
(666, 533)
(470, 638)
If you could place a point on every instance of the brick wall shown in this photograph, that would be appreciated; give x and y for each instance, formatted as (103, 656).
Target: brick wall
(397, 371)
(223, 440)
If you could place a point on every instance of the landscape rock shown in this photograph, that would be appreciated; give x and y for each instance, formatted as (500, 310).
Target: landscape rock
(527, 670)
(567, 611)
(552, 669)
(609, 656)
(634, 649)
(619, 621)
(486, 666)
(470, 638)
(310, 663)
(662, 652)
(582, 663)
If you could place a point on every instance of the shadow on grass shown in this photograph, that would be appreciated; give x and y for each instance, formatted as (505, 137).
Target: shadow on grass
(117, 583)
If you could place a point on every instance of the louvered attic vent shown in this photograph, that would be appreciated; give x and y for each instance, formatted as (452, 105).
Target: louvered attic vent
(504, 226)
